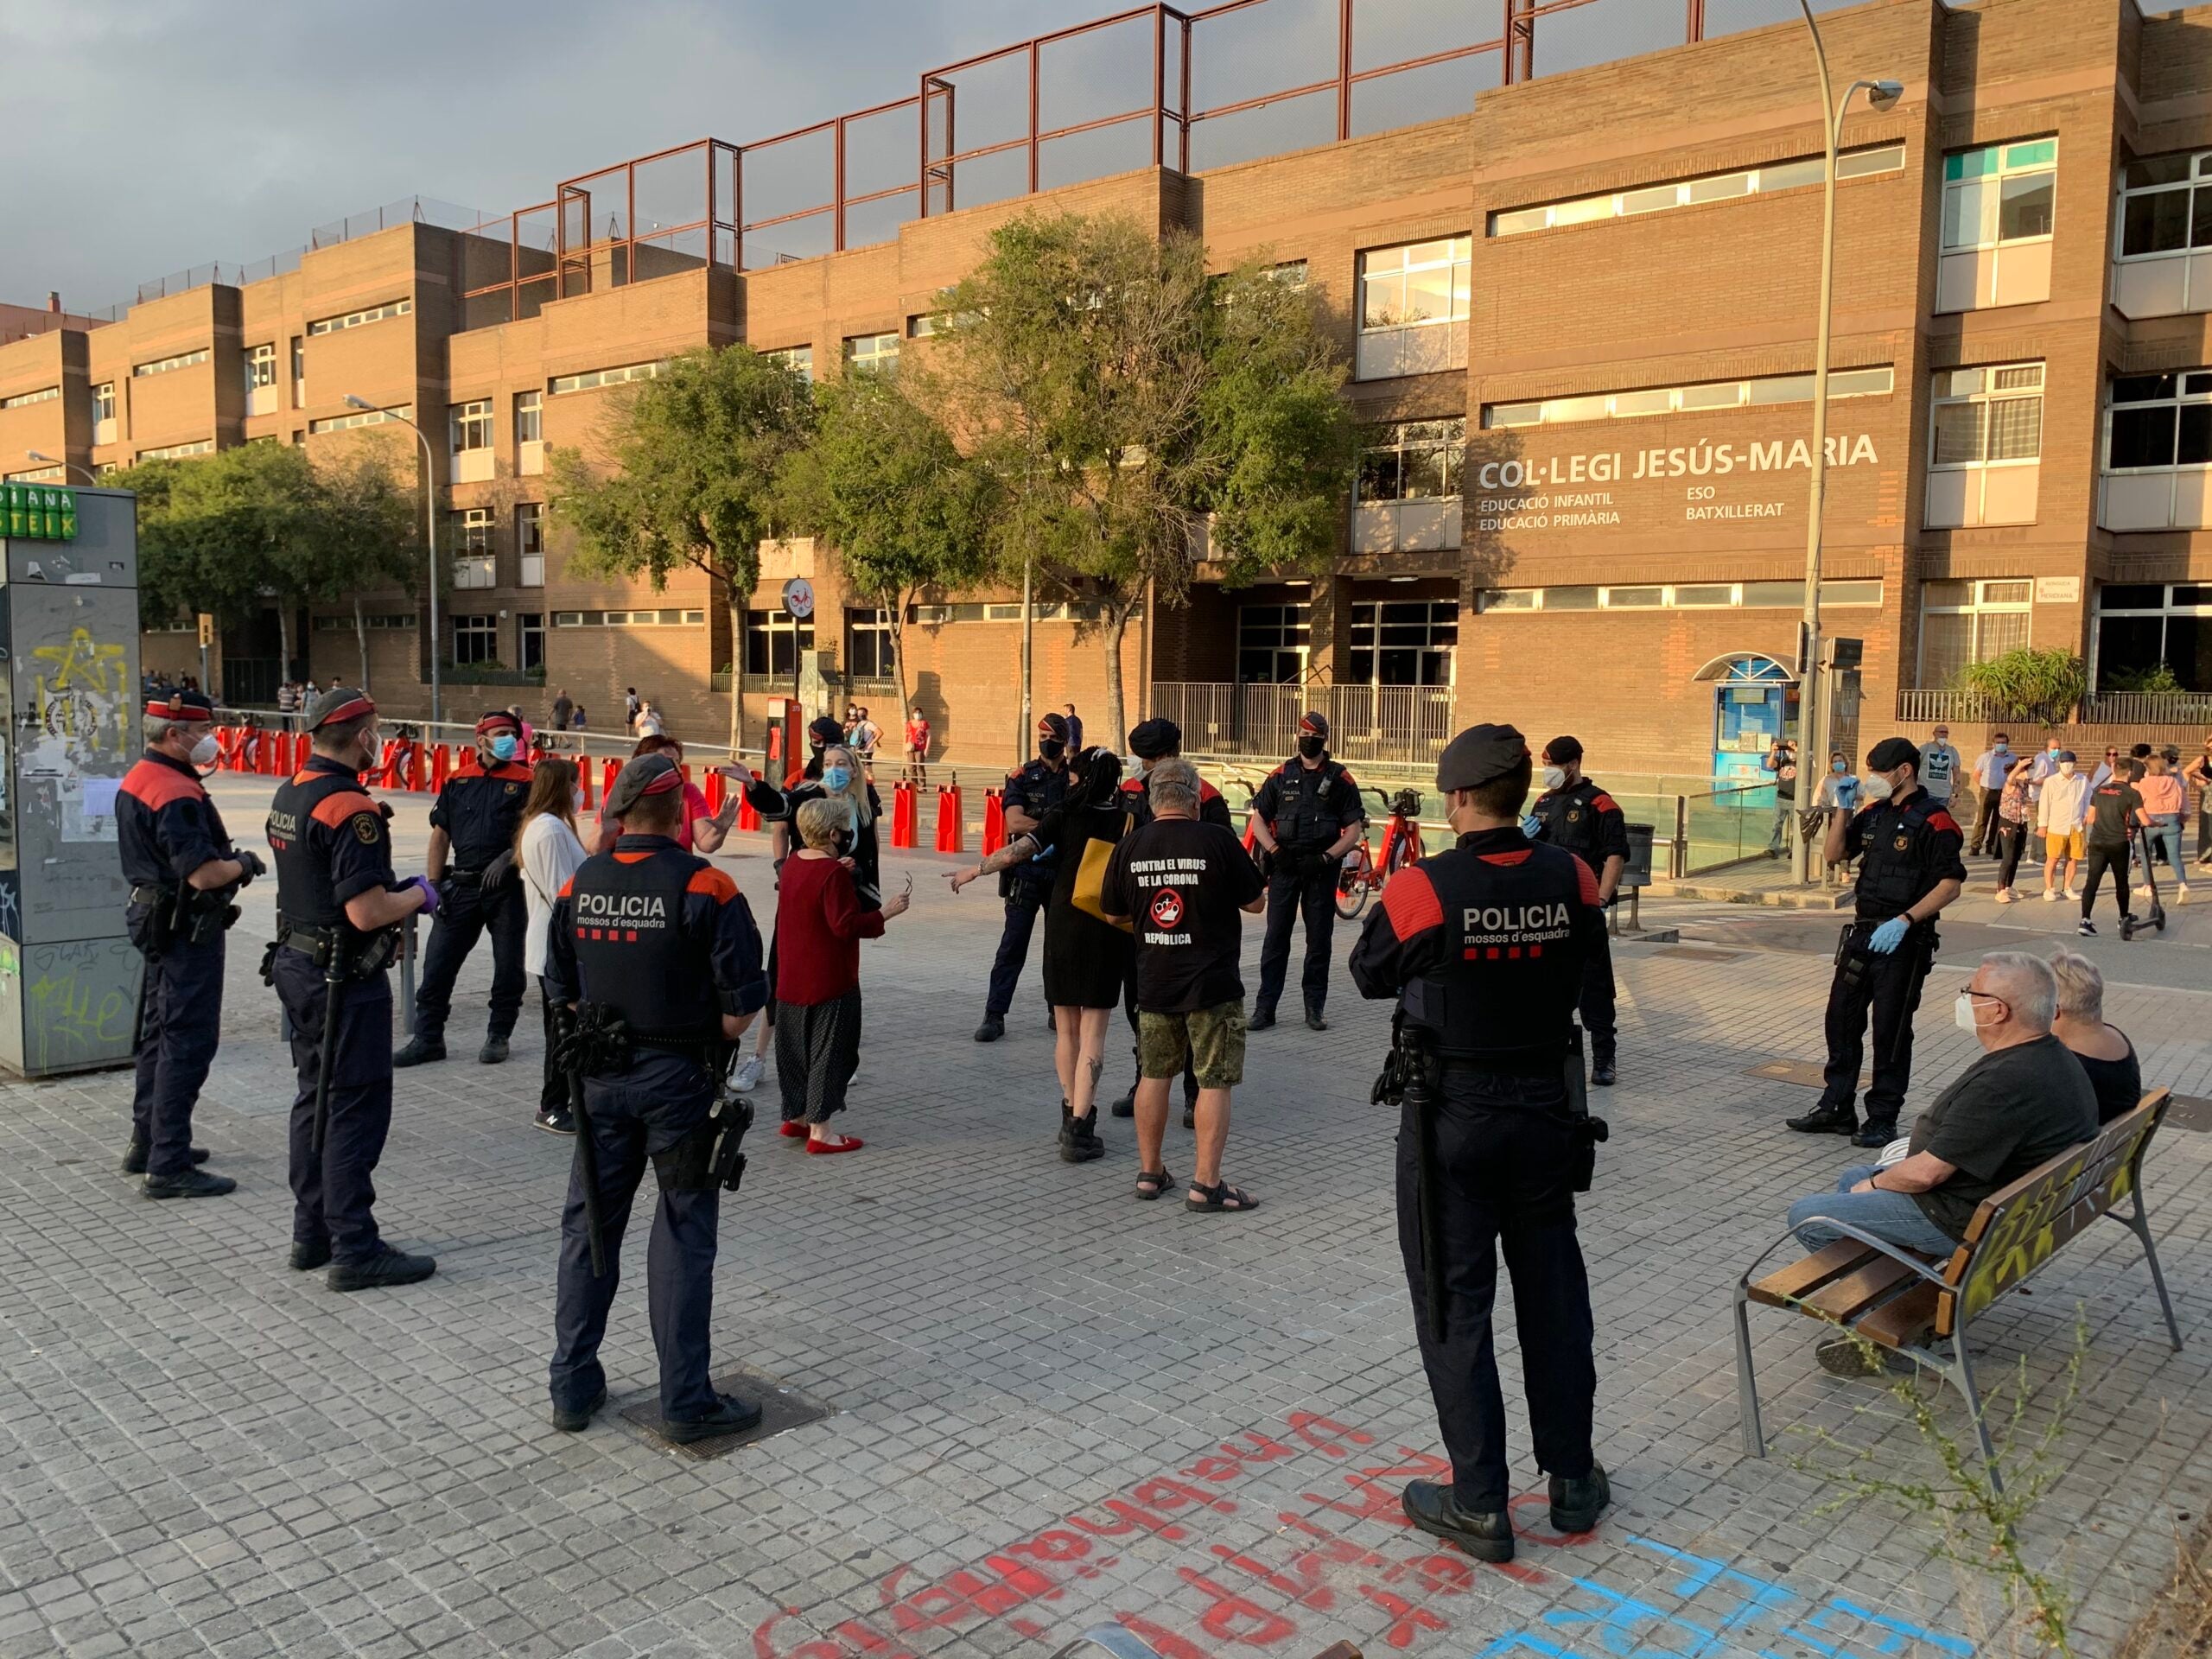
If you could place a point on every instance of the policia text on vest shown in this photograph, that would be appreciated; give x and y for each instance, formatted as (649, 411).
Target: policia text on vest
(1483, 947)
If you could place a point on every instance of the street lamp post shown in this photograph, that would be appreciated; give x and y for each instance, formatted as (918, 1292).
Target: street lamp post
(1813, 700)
(56, 461)
(431, 524)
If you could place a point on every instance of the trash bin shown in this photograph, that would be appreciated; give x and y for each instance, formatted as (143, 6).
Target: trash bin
(1637, 872)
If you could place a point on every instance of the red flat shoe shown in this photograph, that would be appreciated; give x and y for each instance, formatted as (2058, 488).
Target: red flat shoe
(793, 1130)
(823, 1148)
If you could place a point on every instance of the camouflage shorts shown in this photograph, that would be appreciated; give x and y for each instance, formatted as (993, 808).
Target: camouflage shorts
(1213, 1037)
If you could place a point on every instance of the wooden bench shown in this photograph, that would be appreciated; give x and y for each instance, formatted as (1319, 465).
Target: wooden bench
(1907, 1304)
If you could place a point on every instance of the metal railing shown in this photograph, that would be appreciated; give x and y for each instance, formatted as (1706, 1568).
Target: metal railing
(1404, 723)
(2102, 708)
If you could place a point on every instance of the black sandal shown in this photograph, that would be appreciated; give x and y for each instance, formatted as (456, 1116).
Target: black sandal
(1158, 1180)
(1224, 1199)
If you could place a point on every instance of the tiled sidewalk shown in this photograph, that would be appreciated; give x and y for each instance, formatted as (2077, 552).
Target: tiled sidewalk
(1053, 1405)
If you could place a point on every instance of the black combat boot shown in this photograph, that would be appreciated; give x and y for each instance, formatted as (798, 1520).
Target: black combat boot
(1601, 1071)
(494, 1051)
(1576, 1503)
(1314, 1020)
(192, 1184)
(389, 1266)
(991, 1030)
(1876, 1132)
(1126, 1105)
(573, 1419)
(1080, 1142)
(1432, 1508)
(731, 1415)
(134, 1158)
(1827, 1120)
(1260, 1019)
(420, 1049)
(306, 1258)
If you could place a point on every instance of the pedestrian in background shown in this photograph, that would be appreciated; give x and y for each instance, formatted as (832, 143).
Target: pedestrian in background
(1991, 768)
(630, 705)
(1939, 768)
(1782, 761)
(576, 724)
(2162, 802)
(564, 706)
(2015, 813)
(1074, 725)
(647, 722)
(2061, 802)
(863, 738)
(820, 922)
(918, 746)
(698, 829)
(548, 850)
(2114, 811)
(2197, 775)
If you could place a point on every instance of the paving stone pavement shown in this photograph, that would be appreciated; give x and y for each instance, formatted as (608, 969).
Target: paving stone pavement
(1053, 1406)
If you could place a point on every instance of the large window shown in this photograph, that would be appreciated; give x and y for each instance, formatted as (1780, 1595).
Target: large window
(2147, 632)
(474, 565)
(261, 366)
(476, 639)
(867, 644)
(298, 373)
(1703, 396)
(529, 417)
(1274, 643)
(1690, 193)
(1985, 445)
(361, 318)
(2165, 212)
(1963, 622)
(596, 378)
(530, 543)
(1403, 644)
(1999, 204)
(1406, 497)
(773, 642)
(1413, 302)
(2157, 444)
(531, 634)
(876, 354)
(164, 365)
(103, 412)
(799, 358)
(471, 425)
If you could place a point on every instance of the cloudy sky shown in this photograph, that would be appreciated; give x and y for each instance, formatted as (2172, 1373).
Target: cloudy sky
(142, 137)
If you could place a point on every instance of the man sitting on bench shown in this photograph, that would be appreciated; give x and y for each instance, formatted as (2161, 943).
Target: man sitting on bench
(2022, 1104)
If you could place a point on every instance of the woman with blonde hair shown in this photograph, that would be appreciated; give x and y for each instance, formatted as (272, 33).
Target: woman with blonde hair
(548, 850)
(2104, 1051)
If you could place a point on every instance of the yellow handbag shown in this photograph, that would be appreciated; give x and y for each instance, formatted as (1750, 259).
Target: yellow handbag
(1089, 894)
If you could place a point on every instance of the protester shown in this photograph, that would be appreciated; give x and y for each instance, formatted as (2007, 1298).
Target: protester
(2105, 769)
(1939, 767)
(2161, 789)
(2026, 1100)
(1075, 727)
(2114, 809)
(1086, 956)
(698, 829)
(2197, 775)
(647, 722)
(564, 706)
(863, 738)
(2061, 802)
(549, 851)
(1181, 883)
(1991, 767)
(820, 923)
(918, 746)
(288, 698)
(1782, 761)
(2014, 812)
(2105, 1054)
(630, 705)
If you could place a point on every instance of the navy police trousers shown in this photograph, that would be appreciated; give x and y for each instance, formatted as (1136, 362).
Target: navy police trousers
(333, 1196)
(177, 1038)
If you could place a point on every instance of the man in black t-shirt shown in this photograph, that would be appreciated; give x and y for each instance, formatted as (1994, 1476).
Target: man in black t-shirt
(1183, 882)
(2115, 808)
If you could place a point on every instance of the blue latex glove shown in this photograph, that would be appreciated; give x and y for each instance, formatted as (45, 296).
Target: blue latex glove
(431, 897)
(1531, 825)
(1890, 935)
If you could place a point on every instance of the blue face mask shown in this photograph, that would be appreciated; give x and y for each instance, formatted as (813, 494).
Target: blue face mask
(834, 779)
(502, 748)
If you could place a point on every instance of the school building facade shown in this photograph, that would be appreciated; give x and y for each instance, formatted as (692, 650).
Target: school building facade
(1576, 293)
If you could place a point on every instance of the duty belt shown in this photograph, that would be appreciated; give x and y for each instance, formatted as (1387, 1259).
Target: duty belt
(153, 895)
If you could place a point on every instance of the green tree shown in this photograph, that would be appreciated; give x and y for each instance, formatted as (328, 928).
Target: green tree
(693, 461)
(362, 535)
(1136, 410)
(882, 482)
(2025, 683)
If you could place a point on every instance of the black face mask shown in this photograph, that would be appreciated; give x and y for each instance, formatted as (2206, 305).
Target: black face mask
(1050, 749)
(1311, 747)
(842, 844)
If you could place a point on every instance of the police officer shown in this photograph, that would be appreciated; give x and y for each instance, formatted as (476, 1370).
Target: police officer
(1483, 946)
(182, 870)
(1911, 867)
(1575, 813)
(1031, 791)
(1305, 815)
(471, 862)
(1153, 741)
(662, 941)
(338, 908)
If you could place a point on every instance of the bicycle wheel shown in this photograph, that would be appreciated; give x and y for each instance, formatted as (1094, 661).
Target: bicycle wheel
(1403, 851)
(1354, 882)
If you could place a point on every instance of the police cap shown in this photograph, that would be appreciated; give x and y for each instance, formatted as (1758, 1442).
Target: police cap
(1563, 751)
(497, 722)
(1894, 752)
(1479, 755)
(340, 703)
(1152, 739)
(1314, 723)
(180, 705)
(1053, 728)
(823, 731)
(649, 774)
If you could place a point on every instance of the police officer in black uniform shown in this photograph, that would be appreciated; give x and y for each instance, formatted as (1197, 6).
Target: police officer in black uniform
(182, 870)
(1575, 813)
(1153, 741)
(1306, 816)
(1031, 791)
(1908, 847)
(339, 910)
(474, 821)
(661, 941)
(1483, 946)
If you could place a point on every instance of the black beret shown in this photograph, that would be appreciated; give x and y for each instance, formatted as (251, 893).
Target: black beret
(824, 731)
(342, 703)
(1560, 750)
(1053, 728)
(186, 706)
(1478, 755)
(1153, 738)
(649, 774)
(1894, 752)
(1314, 721)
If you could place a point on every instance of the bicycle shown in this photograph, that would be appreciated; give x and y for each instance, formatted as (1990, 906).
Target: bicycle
(1364, 873)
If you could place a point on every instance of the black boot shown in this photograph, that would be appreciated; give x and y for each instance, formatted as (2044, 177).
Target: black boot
(992, 1029)
(192, 1184)
(1260, 1019)
(1877, 1133)
(1314, 1020)
(1080, 1142)
(573, 1419)
(1825, 1120)
(134, 1158)
(1487, 1537)
(1126, 1105)
(731, 1415)
(306, 1258)
(390, 1267)
(1601, 1071)
(420, 1049)
(494, 1051)
(1576, 1503)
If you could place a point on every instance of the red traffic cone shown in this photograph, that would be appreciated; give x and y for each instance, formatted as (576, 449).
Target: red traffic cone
(994, 821)
(950, 838)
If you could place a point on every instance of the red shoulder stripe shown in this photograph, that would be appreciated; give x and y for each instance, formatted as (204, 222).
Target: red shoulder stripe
(1940, 819)
(713, 882)
(1602, 802)
(1133, 786)
(568, 888)
(1411, 903)
(158, 786)
(336, 808)
(1521, 857)
(1207, 792)
(1345, 771)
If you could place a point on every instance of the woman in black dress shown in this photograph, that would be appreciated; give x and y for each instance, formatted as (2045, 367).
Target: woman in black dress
(1086, 957)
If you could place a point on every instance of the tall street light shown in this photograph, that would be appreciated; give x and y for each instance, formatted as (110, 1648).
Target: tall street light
(430, 523)
(1814, 702)
(56, 461)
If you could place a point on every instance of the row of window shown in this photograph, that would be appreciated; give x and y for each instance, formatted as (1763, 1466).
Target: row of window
(374, 620)
(353, 419)
(1679, 596)
(1702, 396)
(164, 365)
(656, 618)
(179, 451)
(596, 378)
(22, 400)
(359, 319)
(1774, 176)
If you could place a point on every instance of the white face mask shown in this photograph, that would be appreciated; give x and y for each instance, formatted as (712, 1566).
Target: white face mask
(2066, 768)
(1962, 1013)
(204, 750)
(1555, 776)
(1874, 786)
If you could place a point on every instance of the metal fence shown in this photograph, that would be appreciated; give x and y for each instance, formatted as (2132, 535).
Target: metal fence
(1407, 723)
(2107, 708)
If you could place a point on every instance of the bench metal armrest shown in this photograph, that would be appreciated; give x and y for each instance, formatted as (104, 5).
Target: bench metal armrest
(1903, 1258)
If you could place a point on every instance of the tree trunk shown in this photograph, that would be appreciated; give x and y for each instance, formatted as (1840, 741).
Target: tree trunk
(899, 671)
(1117, 625)
(361, 639)
(283, 640)
(736, 672)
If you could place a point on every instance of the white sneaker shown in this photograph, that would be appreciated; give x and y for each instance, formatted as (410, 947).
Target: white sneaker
(747, 1078)
(2143, 892)
(2074, 893)
(2050, 895)
(2003, 895)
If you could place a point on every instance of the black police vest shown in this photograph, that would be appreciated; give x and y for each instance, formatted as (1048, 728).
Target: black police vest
(1896, 871)
(631, 952)
(1508, 998)
(304, 892)
(1307, 813)
(1572, 822)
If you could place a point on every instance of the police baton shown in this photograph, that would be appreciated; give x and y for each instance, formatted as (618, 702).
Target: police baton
(333, 982)
(568, 1056)
(407, 973)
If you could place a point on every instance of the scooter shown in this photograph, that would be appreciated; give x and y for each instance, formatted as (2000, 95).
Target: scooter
(2131, 925)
